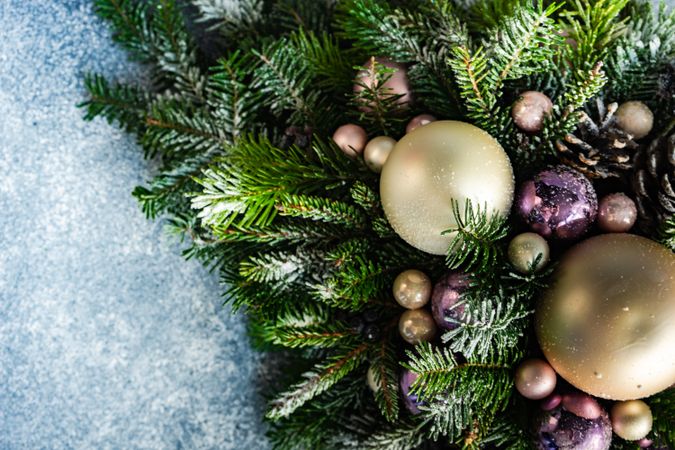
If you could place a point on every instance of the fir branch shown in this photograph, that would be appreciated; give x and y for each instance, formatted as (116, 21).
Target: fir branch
(119, 103)
(321, 378)
(383, 364)
(231, 18)
(280, 268)
(663, 411)
(357, 281)
(402, 435)
(667, 233)
(476, 235)
(322, 209)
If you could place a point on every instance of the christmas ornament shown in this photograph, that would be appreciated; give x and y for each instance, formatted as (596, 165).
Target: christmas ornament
(529, 111)
(535, 379)
(412, 289)
(631, 420)
(351, 139)
(370, 380)
(654, 180)
(435, 164)
(598, 149)
(411, 401)
(560, 429)
(377, 151)
(559, 202)
(444, 298)
(635, 118)
(616, 213)
(551, 402)
(397, 84)
(419, 121)
(606, 325)
(300, 137)
(524, 250)
(416, 326)
(582, 405)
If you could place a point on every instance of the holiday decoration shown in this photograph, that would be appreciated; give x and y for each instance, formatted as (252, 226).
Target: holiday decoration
(559, 202)
(631, 420)
(351, 139)
(616, 213)
(528, 252)
(530, 110)
(598, 149)
(377, 151)
(434, 165)
(238, 108)
(419, 121)
(412, 289)
(654, 180)
(396, 86)
(417, 326)
(445, 298)
(535, 379)
(635, 118)
(560, 429)
(606, 324)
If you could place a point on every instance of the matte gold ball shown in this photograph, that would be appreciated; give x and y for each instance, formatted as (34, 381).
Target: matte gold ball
(535, 379)
(351, 139)
(606, 325)
(635, 118)
(417, 325)
(377, 151)
(435, 164)
(528, 252)
(412, 289)
(631, 420)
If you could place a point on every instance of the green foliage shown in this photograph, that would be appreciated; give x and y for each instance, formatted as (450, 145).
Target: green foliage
(668, 233)
(117, 103)
(663, 410)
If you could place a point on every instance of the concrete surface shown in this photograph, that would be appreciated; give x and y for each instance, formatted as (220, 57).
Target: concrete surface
(108, 338)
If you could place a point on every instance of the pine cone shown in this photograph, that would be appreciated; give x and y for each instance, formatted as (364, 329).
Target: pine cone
(598, 151)
(654, 180)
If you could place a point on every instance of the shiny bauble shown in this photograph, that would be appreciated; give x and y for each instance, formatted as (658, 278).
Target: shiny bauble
(370, 380)
(445, 298)
(631, 420)
(582, 405)
(635, 118)
(551, 402)
(530, 110)
(377, 151)
(412, 289)
(397, 85)
(616, 213)
(411, 401)
(435, 164)
(419, 121)
(560, 429)
(558, 203)
(606, 324)
(535, 379)
(351, 139)
(417, 326)
(528, 252)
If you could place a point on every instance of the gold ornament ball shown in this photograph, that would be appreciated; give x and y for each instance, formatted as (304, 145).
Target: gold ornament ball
(351, 139)
(631, 420)
(431, 166)
(524, 250)
(635, 118)
(377, 151)
(417, 325)
(412, 289)
(606, 324)
(535, 379)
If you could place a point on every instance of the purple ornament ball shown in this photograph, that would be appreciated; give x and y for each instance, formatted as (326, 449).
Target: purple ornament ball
(558, 203)
(559, 429)
(410, 401)
(444, 297)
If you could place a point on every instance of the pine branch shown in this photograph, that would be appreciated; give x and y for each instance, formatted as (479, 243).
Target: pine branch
(232, 18)
(667, 233)
(663, 410)
(384, 364)
(322, 209)
(280, 269)
(476, 234)
(119, 103)
(402, 435)
(318, 380)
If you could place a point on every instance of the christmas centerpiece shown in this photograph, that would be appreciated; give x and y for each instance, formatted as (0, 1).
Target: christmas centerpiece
(454, 218)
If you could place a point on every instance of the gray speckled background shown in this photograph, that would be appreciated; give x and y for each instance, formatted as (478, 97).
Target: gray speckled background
(108, 338)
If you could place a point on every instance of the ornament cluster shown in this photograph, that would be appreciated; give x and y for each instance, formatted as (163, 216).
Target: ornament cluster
(603, 327)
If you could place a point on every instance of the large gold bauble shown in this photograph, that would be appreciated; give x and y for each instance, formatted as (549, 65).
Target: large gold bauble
(435, 164)
(607, 325)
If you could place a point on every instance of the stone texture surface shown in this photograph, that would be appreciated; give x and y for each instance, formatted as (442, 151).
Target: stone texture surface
(108, 338)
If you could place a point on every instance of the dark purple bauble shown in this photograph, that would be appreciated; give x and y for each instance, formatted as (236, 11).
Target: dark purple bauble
(559, 202)
(559, 429)
(410, 400)
(445, 296)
